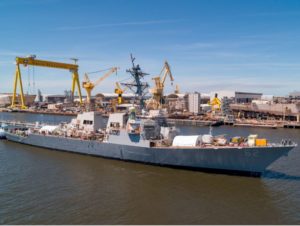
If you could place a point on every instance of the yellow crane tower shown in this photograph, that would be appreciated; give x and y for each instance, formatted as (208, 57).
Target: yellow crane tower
(119, 91)
(31, 60)
(89, 86)
(215, 103)
(158, 91)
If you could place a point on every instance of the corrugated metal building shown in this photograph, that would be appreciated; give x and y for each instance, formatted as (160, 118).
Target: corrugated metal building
(246, 97)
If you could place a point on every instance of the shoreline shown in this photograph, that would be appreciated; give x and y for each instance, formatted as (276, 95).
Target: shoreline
(186, 122)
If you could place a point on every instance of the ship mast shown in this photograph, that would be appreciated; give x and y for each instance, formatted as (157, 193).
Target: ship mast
(137, 86)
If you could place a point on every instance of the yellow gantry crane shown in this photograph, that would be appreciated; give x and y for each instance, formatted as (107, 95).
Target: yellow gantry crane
(89, 86)
(31, 60)
(119, 91)
(158, 91)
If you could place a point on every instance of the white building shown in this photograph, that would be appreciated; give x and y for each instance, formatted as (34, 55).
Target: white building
(194, 101)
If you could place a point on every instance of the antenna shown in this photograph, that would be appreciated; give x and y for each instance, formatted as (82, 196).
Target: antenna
(32, 56)
(132, 59)
(75, 60)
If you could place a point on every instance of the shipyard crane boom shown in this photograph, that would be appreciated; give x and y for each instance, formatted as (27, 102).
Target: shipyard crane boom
(31, 60)
(158, 91)
(167, 72)
(89, 86)
(44, 63)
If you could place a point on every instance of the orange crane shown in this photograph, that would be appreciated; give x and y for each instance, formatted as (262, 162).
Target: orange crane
(89, 86)
(31, 60)
(158, 91)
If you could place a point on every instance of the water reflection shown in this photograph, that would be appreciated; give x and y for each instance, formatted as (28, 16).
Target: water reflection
(272, 174)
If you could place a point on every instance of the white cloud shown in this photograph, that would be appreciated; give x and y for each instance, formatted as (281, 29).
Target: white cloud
(133, 23)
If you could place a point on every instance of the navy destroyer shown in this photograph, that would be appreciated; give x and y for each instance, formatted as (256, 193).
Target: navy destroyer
(152, 141)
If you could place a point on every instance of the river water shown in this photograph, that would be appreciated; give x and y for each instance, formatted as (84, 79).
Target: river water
(40, 186)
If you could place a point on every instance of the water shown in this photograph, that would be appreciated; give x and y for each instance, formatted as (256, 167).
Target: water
(40, 186)
(22, 117)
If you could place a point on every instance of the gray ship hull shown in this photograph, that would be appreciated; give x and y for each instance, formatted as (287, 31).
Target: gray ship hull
(251, 160)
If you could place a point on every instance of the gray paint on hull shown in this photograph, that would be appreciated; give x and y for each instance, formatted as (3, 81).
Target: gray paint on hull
(253, 159)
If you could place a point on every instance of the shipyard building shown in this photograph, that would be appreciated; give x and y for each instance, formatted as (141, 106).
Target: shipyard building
(246, 97)
(254, 105)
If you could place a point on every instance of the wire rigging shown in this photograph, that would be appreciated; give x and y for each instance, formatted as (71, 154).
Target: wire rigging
(28, 80)
(93, 72)
(33, 80)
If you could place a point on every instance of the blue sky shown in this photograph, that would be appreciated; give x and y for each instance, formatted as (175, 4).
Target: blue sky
(210, 45)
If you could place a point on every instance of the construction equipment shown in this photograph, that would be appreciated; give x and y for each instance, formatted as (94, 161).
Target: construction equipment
(119, 91)
(158, 91)
(215, 103)
(31, 60)
(89, 86)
